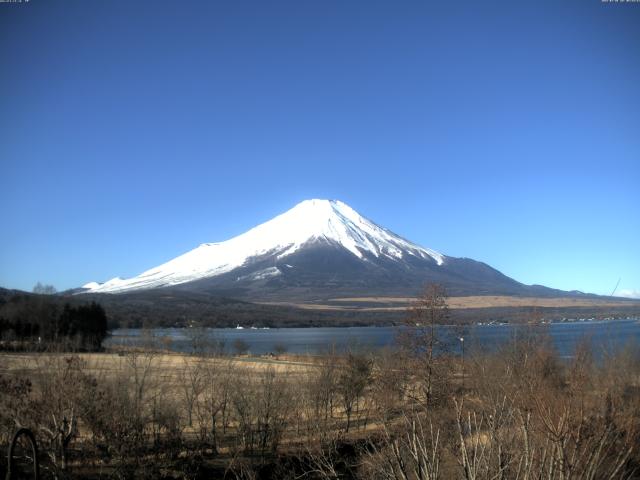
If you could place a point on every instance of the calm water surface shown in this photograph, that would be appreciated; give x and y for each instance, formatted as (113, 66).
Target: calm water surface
(604, 336)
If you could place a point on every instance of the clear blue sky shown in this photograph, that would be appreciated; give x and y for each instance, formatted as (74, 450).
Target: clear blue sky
(508, 132)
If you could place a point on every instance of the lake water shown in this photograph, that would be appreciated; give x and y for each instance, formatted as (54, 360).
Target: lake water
(604, 336)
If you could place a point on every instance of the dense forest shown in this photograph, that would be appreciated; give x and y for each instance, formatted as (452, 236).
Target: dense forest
(41, 322)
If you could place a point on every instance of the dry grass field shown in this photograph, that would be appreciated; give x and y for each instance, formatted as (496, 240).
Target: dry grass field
(382, 304)
(168, 366)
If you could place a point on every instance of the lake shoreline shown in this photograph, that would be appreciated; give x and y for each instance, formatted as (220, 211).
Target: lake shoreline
(610, 333)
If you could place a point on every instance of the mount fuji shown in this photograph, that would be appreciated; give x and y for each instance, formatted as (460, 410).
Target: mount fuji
(318, 249)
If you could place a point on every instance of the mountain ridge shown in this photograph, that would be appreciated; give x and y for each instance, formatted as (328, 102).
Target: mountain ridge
(319, 249)
(309, 222)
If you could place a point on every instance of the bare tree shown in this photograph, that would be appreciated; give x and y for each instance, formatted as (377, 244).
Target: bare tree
(322, 387)
(421, 342)
(353, 379)
(197, 339)
(240, 346)
(192, 383)
(273, 409)
(140, 366)
(280, 349)
(62, 395)
(212, 410)
(43, 289)
(389, 382)
(413, 452)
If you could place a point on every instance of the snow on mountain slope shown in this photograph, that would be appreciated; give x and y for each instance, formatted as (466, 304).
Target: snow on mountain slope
(308, 222)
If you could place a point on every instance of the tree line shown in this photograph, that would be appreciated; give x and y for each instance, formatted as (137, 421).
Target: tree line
(39, 321)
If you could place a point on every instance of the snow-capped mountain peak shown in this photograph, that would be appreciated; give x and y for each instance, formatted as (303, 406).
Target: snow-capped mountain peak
(309, 222)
